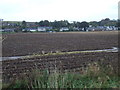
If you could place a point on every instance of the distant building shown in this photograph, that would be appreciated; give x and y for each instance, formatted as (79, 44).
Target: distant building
(1, 30)
(111, 28)
(102, 28)
(76, 28)
(41, 29)
(64, 29)
(30, 24)
(33, 30)
(44, 29)
(8, 30)
(91, 29)
(29, 29)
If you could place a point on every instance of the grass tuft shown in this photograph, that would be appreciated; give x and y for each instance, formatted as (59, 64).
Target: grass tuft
(95, 76)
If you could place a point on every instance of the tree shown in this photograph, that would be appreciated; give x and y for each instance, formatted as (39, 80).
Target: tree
(64, 23)
(104, 22)
(24, 24)
(44, 23)
(94, 23)
(56, 24)
(84, 25)
(41, 23)
(36, 24)
(107, 19)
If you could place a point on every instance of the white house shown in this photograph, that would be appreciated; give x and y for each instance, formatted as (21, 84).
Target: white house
(91, 29)
(29, 29)
(113, 28)
(102, 28)
(1, 30)
(76, 28)
(33, 30)
(43, 29)
(64, 29)
(8, 30)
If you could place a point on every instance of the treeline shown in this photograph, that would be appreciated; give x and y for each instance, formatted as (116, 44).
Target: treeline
(59, 24)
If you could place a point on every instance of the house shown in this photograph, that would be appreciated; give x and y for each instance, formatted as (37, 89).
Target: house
(102, 28)
(64, 29)
(8, 30)
(32, 30)
(44, 29)
(108, 28)
(1, 30)
(91, 29)
(115, 28)
(112, 28)
(76, 28)
(41, 29)
(29, 30)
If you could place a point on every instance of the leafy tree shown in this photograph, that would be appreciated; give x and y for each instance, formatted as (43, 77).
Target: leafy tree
(84, 25)
(24, 24)
(56, 24)
(44, 23)
(36, 24)
(64, 23)
(94, 23)
(104, 22)
(41, 23)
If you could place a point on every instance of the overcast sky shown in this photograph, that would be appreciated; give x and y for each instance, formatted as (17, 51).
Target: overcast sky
(71, 10)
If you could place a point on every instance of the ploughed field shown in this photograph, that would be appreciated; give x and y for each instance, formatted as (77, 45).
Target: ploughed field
(75, 63)
(21, 44)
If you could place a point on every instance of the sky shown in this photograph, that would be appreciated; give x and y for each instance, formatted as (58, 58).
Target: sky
(119, 10)
(71, 10)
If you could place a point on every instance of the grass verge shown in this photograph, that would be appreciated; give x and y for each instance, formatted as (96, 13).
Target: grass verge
(94, 76)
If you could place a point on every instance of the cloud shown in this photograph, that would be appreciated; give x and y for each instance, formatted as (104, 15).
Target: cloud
(36, 10)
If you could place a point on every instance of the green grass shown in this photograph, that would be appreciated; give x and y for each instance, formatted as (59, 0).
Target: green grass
(7, 32)
(95, 76)
(59, 53)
